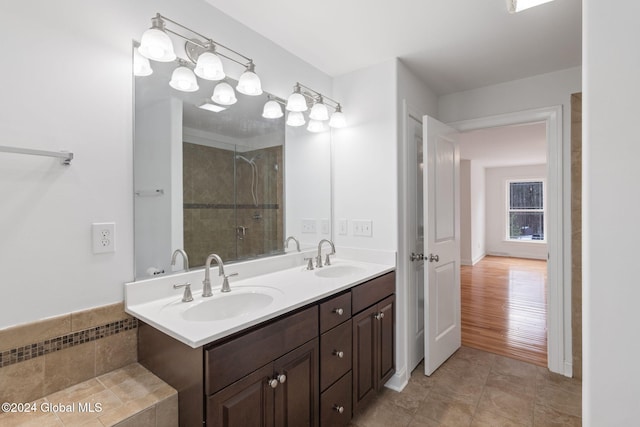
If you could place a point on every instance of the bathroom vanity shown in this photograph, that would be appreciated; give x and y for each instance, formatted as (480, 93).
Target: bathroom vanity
(314, 365)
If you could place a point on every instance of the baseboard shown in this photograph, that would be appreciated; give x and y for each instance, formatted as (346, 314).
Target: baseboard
(478, 259)
(398, 381)
(466, 262)
(568, 369)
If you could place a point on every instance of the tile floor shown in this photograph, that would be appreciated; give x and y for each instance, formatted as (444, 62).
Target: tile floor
(476, 388)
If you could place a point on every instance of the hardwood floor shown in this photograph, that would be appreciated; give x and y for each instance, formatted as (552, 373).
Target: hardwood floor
(504, 307)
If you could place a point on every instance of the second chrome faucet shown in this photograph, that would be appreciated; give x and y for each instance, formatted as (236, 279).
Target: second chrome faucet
(206, 283)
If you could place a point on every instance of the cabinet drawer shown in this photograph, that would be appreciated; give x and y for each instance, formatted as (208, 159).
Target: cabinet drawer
(232, 360)
(335, 311)
(333, 344)
(371, 292)
(335, 397)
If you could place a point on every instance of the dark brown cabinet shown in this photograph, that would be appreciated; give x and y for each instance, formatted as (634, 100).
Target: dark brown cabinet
(311, 367)
(373, 341)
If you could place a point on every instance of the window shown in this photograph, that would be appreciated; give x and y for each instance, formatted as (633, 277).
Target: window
(525, 212)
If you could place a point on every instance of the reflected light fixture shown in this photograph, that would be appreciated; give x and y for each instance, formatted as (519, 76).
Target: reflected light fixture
(209, 65)
(141, 65)
(155, 43)
(295, 118)
(249, 82)
(183, 79)
(296, 101)
(223, 94)
(319, 110)
(338, 120)
(272, 110)
(515, 6)
(315, 126)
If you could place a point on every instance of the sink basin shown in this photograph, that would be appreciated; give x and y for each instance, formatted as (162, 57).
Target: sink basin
(226, 306)
(335, 271)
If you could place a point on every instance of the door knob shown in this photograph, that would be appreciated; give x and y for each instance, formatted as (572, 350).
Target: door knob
(433, 258)
(416, 257)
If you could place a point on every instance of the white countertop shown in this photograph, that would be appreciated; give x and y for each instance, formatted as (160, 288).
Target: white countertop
(156, 303)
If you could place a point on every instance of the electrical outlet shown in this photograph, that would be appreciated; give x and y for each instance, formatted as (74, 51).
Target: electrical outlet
(308, 225)
(362, 227)
(104, 237)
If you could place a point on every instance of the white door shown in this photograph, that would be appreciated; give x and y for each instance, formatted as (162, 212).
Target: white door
(415, 209)
(442, 243)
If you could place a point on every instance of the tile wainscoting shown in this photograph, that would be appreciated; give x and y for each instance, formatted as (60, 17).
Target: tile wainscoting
(45, 356)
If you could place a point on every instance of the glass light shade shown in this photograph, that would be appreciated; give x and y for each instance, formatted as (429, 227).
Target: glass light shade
(223, 94)
(249, 84)
(209, 67)
(296, 102)
(184, 80)
(155, 44)
(319, 112)
(315, 126)
(295, 118)
(141, 65)
(272, 110)
(338, 120)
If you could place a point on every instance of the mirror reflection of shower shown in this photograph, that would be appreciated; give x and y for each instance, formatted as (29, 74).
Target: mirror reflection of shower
(254, 175)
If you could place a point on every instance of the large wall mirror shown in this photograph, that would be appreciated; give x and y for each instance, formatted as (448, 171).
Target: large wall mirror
(228, 182)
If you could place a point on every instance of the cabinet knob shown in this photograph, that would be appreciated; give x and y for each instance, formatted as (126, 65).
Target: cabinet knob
(339, 409)
(273, 383)
(281, 378)
(340, 354)
(379, 316)
(338, 311)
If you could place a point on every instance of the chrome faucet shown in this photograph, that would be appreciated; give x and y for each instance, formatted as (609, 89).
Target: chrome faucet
(286, 242)
(206, 283)
(185, 258)
(319, 257)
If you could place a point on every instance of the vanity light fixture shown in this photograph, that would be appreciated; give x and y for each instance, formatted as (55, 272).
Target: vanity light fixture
(515, 6)
(272, 109)
(338, 120)
(249, 82)
(209, 65)
(223, 94)
(204, 53)
(296, 101)
(295, 118)
(299, 101)
(155, 42)
(183, 79)
(319, 110)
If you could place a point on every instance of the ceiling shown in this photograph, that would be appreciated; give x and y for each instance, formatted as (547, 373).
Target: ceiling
(451, 45)
(517, 145)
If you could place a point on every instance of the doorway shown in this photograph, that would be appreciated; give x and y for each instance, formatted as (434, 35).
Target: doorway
(552, 119)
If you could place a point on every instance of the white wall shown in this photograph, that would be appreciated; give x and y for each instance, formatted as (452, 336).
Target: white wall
(76, 94)
(610, 206)
(365, 153)
(496, 218)
(472, 212)
(479, 213)
(465, 212)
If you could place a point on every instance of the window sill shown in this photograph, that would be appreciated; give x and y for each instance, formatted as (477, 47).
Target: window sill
(519, 242)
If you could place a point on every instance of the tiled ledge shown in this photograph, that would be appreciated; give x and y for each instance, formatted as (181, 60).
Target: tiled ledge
(129, 396)
(42, 357)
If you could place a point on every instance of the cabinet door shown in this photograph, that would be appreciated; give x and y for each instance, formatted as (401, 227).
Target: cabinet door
(297, 399)
(386, 326)
(245, 403)
(365, 343)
